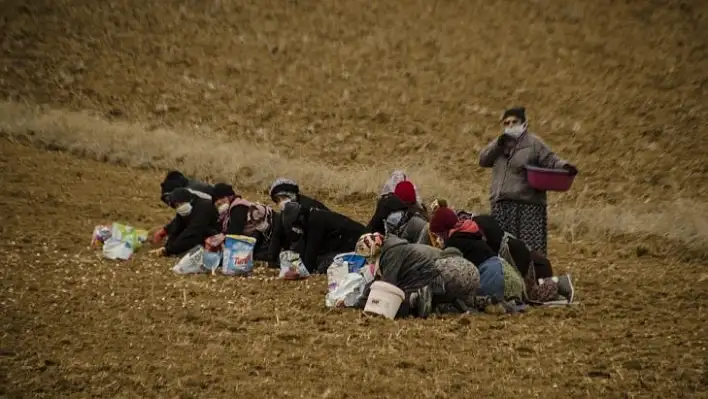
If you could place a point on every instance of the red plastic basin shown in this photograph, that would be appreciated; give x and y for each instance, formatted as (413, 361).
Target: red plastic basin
(549, 179)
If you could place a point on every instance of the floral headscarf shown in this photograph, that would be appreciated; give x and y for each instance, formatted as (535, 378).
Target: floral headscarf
(369, 245)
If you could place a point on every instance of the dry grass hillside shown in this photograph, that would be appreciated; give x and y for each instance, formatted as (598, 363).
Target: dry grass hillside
(336, 95)
(617, 86)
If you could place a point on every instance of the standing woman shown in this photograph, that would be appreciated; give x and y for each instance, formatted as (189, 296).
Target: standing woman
(519, 208)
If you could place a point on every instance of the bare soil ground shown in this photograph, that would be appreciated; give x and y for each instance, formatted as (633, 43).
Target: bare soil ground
(618, 87)
(78, 326)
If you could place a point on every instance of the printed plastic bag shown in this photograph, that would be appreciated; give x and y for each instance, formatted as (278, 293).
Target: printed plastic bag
(353, 260)
(368, 272)
(290, 261)
(336, 272)
(211, 260)
(238, 255)
(123, 232)
(116, 249)
(349, 290)
(101, 234)
(192, 262)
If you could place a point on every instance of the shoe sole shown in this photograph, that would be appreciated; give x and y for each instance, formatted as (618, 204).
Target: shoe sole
(572, 289)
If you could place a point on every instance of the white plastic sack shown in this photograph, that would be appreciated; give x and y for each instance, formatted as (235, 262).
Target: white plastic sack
(211, 260)
(192, 262)
(114, 249)
(290, 260)
(336, 272)
(349, 289)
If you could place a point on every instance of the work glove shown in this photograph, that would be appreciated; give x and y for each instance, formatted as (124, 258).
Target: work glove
(572, 170)
(159, 236)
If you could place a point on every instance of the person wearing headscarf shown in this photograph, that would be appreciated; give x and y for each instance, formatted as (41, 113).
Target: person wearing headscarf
(281, 192)
(399, 213)
(410, 267)
(196, 220)
(517, 260)
(458, 281)
(520, 209)
(238, 216)
(324, 234)
(397, 177)
(498, 279)
(174, 180)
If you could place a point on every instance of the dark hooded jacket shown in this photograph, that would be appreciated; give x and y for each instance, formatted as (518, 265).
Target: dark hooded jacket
(325, 234)
(175, 179)
(522, 256)
(467, 237)
(405, 265)
(282, 240)
(186, 232)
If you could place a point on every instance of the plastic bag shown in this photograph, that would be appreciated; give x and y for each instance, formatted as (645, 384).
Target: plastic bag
(353, 260)
(368, 272)
(350, 289)
(238, 255)
(336, 272)
(211, 260)
(290, 261)
(123, 232)
(192, 262)
(116, 249)
(101, 234)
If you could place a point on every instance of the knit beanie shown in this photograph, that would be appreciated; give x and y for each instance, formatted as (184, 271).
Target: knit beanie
(282, 186)
(443, 220)
(519, 112)
(223, 190)
(405, 191)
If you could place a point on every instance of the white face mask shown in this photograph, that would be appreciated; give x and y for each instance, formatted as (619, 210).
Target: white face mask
(516, 130)
(282, 203)
(223, 208)
(184, 209)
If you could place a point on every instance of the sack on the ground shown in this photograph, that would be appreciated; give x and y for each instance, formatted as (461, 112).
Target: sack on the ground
(123, 240)
(336, 272)
(349, 290)
(238, 255)
(212, 260)
(192, 262)
(290, 261)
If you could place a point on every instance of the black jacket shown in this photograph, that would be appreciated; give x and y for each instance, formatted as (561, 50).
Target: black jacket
(176, 179)
(238, 217)
(186, 232)
(519, 251)
(385, 206)
(327, 232)
(469, 240)
(282, 240)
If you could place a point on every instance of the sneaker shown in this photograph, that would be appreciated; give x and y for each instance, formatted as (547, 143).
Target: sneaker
(565, 287)
(424, 302)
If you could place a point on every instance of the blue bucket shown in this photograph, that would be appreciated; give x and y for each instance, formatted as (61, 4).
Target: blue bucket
(354, 261)
(238, 255)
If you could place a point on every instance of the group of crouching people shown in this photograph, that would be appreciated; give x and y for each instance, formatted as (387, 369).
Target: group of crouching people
(444, 260)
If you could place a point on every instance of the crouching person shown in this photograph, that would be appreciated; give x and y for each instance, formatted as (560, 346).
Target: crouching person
(458, 282)
(196, 219)
(238, 216)
(410, 267)
(322, 234)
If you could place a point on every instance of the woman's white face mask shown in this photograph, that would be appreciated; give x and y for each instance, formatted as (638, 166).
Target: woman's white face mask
(222, 208)
(515, 130)
(184, 209)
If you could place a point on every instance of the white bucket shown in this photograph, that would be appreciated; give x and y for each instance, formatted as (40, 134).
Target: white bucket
(384, 299)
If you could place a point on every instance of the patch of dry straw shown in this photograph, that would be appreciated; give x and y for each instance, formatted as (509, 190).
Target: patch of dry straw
(208, 155)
